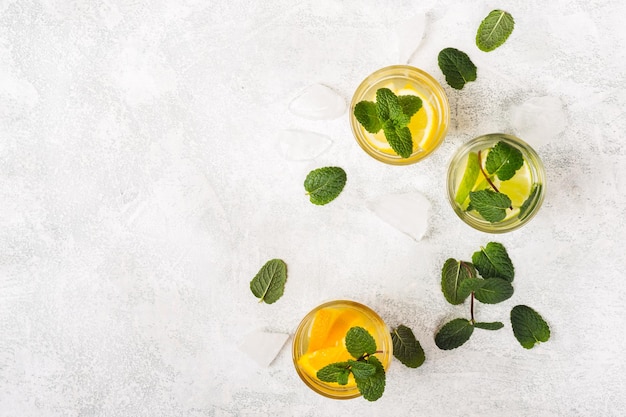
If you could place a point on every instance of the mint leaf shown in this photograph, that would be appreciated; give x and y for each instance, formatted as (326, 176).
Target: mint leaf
(366, 113)
(493, 261)
(362, 369)
(534, 192)
(406, 348)
(494, 30)
(503, 160)
(528, 326)
(387, 104)
(496, 325)
(269, 283)
(493, 291)
(323, 185)
(359, 342)
(335, 372)
(472, 284)
(410, 104)
(457, 67)
(453, 274)
(472, 169)
(490, 205)
(453, 334)
(372, 387)
(399, 138)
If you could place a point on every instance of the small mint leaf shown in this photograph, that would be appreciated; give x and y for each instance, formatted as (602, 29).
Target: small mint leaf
(323, 185)
(398, 138)
(269, 283)
(496, 325)
(453, 274)
(528, 326)
(504, 160)
(457, 67)
(334, 372)
(366, 113)
(360, 342)
(490, 205)
(453, 334)
(362, 369)
(494, 30)
(534, 192)
(387, 104)
(372, 387)
(410, 104)
(493, 261)
(493, 291)
(406, 348)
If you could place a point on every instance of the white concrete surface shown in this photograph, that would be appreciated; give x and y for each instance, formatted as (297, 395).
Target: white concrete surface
(141, 190)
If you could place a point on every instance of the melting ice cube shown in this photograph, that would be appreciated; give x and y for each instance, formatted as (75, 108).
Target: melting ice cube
(302, 145)
(409, 36)
(262, 346)
(539, 120)
(408, 212)
(318, 102)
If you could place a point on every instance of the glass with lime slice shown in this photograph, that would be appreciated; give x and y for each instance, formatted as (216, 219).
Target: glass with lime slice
(427, 126)
(496, 183)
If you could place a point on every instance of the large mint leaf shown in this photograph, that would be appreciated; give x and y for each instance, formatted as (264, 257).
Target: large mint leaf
(399, 138)
(366, 113)
(323, 185)
(457, 67)
(269, 283)
(406, 348)
(493, 261)
(490, 205)
(453, 334)
(493, 291)
(410, 104)
(359, 342)
(504, 160)
(494, 30)
(387, 104)
(453, 274)
(373, 386)
(335, 372)
(528, 326)
(362, 369)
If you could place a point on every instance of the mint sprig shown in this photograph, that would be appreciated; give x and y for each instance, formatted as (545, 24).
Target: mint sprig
(457, 67)
(323, 185)
(368, 372)
(494, 30)
(392, 114)
(269, 283)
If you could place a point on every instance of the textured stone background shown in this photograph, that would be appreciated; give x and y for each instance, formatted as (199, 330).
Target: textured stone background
(141, 190)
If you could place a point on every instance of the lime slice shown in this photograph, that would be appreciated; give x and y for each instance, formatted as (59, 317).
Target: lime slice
(472, 169)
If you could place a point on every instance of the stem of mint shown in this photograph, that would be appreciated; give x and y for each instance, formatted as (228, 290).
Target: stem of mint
(472, 308)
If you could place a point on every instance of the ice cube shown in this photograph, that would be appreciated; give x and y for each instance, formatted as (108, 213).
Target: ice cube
(409, 34)
(302, 145)
(263, 347)
(318, 102)
(407, 212)
(539, 120)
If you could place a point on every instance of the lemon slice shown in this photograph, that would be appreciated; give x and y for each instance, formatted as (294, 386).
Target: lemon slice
(421, 122)
(518, 188)
(312, 362)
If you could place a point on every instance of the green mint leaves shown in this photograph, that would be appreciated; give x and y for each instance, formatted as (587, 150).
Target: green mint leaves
(392, 114)
(269, 283)
(367, 370)
(460, 280)
(406, 348)
(323, 185)
(489, 204)
(528, 326)
(494, 30)
(457, 67)
(504, 160)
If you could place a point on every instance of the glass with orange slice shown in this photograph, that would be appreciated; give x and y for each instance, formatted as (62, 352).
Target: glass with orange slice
(320, 341)
(466, 173)
(428, 126)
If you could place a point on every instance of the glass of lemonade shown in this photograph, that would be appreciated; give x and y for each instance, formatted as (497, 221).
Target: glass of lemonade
(320, 341)
(475, 177)
(428, 126)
